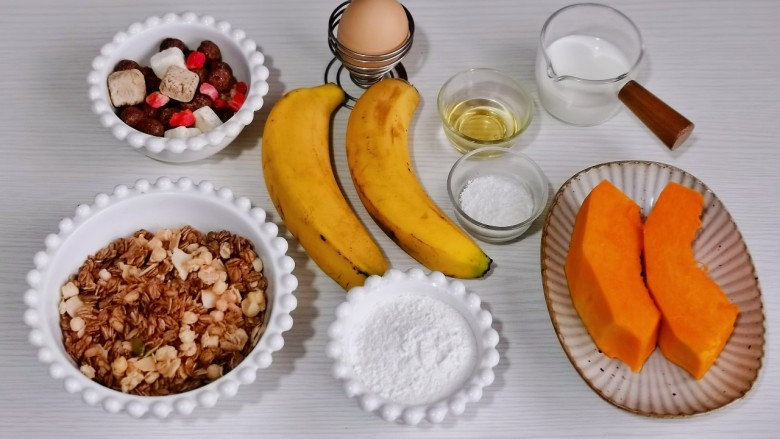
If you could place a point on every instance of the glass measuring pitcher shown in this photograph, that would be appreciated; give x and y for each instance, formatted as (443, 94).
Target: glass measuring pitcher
(587, 53)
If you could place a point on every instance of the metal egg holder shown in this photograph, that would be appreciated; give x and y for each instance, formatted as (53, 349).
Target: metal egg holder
(364, 70)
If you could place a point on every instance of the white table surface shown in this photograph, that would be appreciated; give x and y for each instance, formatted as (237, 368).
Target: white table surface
(716, 62)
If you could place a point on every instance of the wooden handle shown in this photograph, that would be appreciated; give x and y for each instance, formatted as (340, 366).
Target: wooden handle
(666, 123)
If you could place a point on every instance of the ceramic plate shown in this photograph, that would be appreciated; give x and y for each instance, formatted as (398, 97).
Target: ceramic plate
(661, 388)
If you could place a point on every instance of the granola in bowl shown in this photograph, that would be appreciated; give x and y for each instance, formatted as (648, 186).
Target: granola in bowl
(152, 206)
(163, 313)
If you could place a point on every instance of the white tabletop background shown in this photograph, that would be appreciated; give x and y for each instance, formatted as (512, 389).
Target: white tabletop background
(715, 61)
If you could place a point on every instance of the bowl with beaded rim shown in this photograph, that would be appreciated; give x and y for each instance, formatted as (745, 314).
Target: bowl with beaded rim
(140, 41)
(444, 355)
(156, 206)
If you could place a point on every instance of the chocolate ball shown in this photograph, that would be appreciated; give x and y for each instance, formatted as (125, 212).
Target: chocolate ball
(149, 111)
(200, 100)
(222, 65)
(211, 51)
(151, 80)
(174, 42)
(131, 115)
(224, 113)
(220, 77)
(126, 64)
(203, 75)
(150, 126)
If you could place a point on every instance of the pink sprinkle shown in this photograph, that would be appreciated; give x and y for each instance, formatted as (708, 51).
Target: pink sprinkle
(209, 90)
(157, 99)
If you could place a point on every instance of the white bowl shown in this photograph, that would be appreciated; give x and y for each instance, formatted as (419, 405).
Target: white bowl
(140, 41)
(152, 206)
(361, 300)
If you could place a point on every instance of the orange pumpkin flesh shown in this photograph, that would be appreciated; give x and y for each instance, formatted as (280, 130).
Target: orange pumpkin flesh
(604, 273)
(698, 317)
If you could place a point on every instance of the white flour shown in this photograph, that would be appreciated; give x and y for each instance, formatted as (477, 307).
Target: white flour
(412, 349)
(496, 200)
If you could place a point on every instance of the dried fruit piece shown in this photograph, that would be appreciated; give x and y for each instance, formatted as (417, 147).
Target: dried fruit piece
(126, 87)
(157, 99)
(209, 90)
(241, 87)
(237, 101)
(179, 84)
(182, 119)
(195, 60)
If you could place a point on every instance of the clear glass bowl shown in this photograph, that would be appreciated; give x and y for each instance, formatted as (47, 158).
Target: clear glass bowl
(484, 107)
(507, 165)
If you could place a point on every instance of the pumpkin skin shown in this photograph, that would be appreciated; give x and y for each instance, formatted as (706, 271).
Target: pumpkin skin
(604, 273)
(697, 317)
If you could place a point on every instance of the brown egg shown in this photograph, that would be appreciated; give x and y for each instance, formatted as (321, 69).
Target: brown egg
(373, 27)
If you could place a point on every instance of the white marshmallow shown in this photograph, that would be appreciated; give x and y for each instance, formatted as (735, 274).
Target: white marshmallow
(182, 133)
(126, 87)
(206, 119)
(160, 62)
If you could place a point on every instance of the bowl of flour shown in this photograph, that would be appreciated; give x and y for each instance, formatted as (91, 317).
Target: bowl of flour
(411, 346)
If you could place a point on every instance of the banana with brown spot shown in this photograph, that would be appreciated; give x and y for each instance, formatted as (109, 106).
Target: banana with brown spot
(299, 177)
(380, 165)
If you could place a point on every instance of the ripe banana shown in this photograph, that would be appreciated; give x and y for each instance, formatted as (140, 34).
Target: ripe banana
(379, 162)
(303, 188)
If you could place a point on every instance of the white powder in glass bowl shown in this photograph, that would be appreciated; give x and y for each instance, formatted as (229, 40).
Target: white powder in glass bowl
(412, 349)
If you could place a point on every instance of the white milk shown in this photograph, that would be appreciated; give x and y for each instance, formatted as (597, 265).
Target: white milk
(585, 57)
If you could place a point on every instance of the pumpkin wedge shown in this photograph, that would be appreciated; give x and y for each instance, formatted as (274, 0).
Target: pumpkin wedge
(604, 273)
(697, 317)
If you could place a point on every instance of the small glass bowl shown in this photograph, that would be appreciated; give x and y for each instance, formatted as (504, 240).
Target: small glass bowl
(501, 162)
(484, 107)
